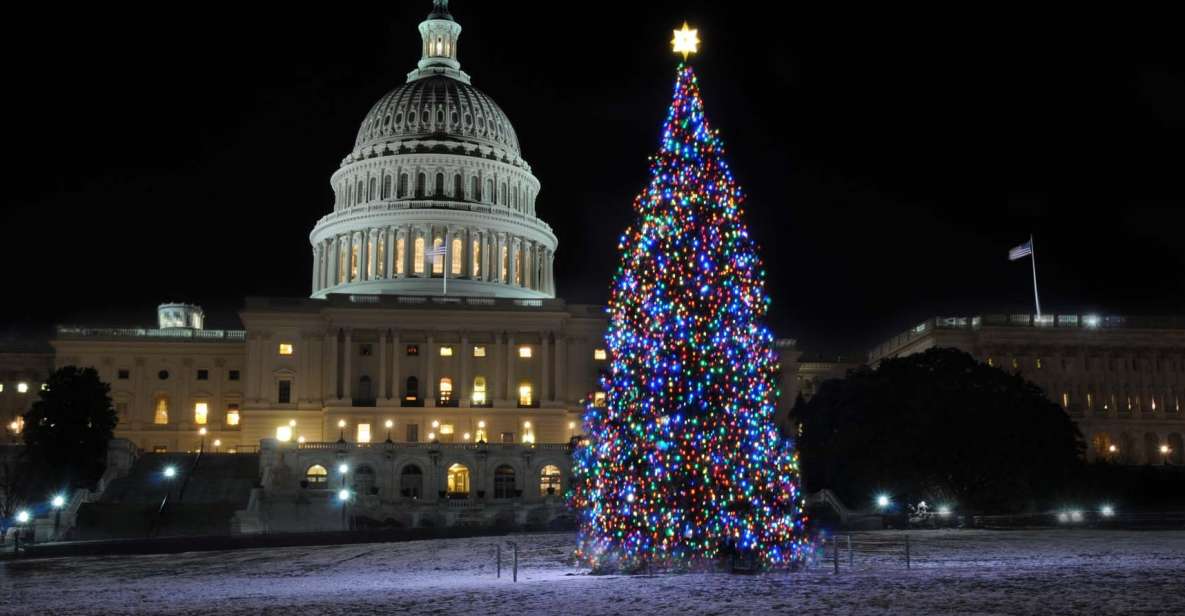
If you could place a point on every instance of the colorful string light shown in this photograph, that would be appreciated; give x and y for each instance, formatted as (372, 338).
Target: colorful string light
(683, 463)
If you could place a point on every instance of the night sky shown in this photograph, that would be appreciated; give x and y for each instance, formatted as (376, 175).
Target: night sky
(891, 159)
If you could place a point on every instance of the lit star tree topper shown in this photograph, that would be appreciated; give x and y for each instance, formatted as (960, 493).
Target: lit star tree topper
(683, 463)
(686, 41)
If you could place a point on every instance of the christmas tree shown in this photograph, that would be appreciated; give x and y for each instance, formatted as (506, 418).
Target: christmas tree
(683, 463)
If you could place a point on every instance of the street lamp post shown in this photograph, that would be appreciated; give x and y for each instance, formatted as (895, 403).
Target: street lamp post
(22, 518)
(202, 445)
(390, 424)
(1165, 450)
(343, 496)
(341, 425)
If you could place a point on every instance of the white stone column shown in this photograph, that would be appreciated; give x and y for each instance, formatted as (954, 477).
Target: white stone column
(463, 388)
(510, 394)
(396, 356)
(383, 365)
(347, 374)
(545, 355)
(431, 364)
(561, 368)
(334, 389)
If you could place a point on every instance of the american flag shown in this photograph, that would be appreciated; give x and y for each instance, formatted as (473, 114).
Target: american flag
(1021, 251)
(436, 252)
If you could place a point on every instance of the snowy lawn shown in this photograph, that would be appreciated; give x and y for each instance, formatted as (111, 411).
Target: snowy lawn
(954, 572)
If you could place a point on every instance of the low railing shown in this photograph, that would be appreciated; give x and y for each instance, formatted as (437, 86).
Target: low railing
(436, 445)
(140, 332)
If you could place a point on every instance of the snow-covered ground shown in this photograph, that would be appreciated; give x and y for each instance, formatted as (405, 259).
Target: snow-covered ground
(954, 572)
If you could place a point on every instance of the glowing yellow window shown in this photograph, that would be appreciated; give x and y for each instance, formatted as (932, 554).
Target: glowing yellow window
(22, 388)
(456, 257)
(524, 352)
(232, 415)
(481, 431)
(446, 351)
(600, 355)
(438, 258)
(446, 390)
(479, 390)
(525, 394)
(363, 433)
(160, 415)
(417, 259)
(285, 348)
(201, 412)
(479, 351)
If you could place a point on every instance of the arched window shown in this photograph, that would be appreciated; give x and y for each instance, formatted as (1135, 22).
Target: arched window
(160, 415)
(411, 481)
(458, 256)
(490, 191)
(479, 390)
(359, 192)
(418, 256)
(380, 256)
(437, 260)
(372, 190)
(458, 187)
(402, 185)
(317, 477)
(364, 481)
(446, 391)
(458, 481)
(400, 251)
(413, 388)
(476, 196)
(386, 187)
(421, 185)
(503, 201)
(504, 482)
(550, 480)
(439, 184)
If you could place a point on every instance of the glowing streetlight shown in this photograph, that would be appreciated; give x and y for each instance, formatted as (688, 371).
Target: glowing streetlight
(1165, 450)
(343, 495)
(343, 468)
(23, 517)
(390, 424)
(170, 472)
(341, 425)
(57, 503)
(944, 510)
(291, 423)
(883, 501)
(1107, 511)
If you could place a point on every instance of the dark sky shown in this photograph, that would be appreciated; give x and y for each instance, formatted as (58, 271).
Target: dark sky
(891, 159)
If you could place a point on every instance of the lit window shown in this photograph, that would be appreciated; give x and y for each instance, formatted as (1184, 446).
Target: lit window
(479, 351)
(285, 348)
(446, 431)
(160, 415)
(317, 476)
(232, 415)
(1039, 366)
(600, 355)
(201, 412)
(457, 256)
(479, 390)
(446, 390)
(599, 399)
(417, 261)
(1065, 400)
(437, 260)
(446, 351)
(549, 480)
(1, 388)
(22, 388)
(504, 276)
(363, 433)
(284, 434)
(400, 250)
(413, 350)
(524, 352)
(481, 431)
(476, 251)
(525, 395)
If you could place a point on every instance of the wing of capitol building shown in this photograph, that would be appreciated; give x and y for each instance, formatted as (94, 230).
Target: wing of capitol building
(434, 376)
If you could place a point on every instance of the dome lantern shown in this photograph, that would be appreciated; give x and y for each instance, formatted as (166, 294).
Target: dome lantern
(440, 33)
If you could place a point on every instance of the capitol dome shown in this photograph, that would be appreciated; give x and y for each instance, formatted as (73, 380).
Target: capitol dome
(437, 107)
(435, 190)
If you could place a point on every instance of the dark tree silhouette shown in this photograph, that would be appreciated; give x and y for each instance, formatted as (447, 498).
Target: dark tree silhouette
(68, 427)
(937, 426)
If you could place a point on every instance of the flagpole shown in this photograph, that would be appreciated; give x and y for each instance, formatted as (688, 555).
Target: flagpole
(1033, 258)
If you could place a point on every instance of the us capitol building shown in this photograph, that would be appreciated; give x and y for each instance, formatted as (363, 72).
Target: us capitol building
(432, 373)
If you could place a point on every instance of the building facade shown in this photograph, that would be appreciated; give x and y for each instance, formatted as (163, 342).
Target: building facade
(1121, 379)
